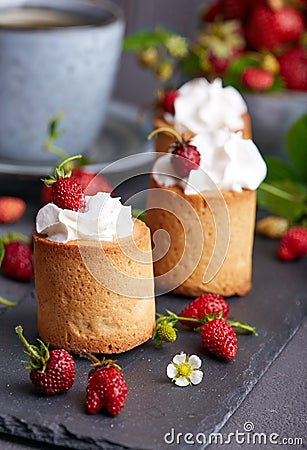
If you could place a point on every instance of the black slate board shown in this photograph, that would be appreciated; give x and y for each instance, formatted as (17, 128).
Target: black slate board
(154, 405)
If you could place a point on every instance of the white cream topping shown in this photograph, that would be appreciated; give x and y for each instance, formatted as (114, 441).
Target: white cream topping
(104, 219)
(228, 162)
(203, 105)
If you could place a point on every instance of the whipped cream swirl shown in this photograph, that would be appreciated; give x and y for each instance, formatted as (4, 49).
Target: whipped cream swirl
(228, 162)
(104, 219)
(203, 105)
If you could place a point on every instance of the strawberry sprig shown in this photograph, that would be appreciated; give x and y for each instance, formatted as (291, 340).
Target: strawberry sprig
(51, 372)
(185, 156)
(165, 325)
(66, 193)
(63, 170)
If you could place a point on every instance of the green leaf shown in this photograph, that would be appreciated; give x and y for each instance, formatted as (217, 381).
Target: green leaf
(139, 214)
(296, 141)
(14, 236)
(235, 69)
(284, 198)
(238, 65)
(146, 38)
(279, 170)
(190, 65)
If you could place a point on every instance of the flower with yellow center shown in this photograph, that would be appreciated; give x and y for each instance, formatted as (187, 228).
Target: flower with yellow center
(184, 370)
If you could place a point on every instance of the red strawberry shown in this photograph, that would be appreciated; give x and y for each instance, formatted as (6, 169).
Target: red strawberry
(219, 64)
(66, 192)
(51, 372)
(293, 68)
(268, 28)
(90, 181)
(206, 304)
(293, 244)
(218, 337)
(233, 9)
(185, 158)
(17, 262)
(289, 24)
(168, 101)
(257, 79)
(106, 388)
(11, 209)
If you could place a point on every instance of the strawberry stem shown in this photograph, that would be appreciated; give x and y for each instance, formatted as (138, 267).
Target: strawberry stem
(278, 192)
(166, 130)
(89, 356)
(38, 357)
(67, 160)
(171, 319)
(99, 363)
(5, 302)
(242, 327)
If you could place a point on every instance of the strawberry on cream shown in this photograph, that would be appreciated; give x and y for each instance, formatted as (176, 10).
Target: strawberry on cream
(201, 105)
(228, 162)
(104, 219)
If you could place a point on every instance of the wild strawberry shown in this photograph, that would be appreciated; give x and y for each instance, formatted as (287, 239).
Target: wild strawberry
(220, 64)
(289, 24)
(51, 372)
(164, 69)
(234, 9)
(166, 333)
(148, 57)
(66, 192)
(17, 262)
(168, 101)
(106, 387)
(293, 244)
(268, 28)
(293, 68)
(11, 209)
(90, 181)
(185, 158)
(219, 338)
(206, 304)
(164, 324)
(272, 227)
(257, 79)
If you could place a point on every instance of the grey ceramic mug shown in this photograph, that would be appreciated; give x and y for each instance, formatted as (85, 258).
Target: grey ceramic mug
(61, 69)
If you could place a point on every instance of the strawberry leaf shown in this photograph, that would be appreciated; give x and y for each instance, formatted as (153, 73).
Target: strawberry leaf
(147, 38)
(279, 169)
(235, 69)
(284, 198)
(296, 141)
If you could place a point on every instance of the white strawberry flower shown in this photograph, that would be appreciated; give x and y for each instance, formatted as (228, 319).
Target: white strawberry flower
(184, 370)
